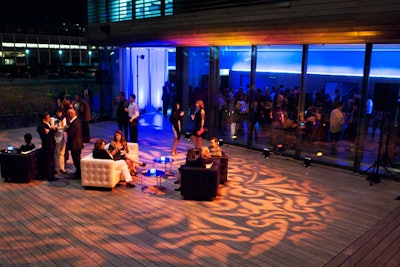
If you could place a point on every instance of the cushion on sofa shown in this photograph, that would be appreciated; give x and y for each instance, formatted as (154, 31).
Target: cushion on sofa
(223, 168)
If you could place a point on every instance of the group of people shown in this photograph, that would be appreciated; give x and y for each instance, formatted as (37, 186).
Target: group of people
(64, 133)
(58, 135)
(67, 132)
(199, 128)
(119, 152)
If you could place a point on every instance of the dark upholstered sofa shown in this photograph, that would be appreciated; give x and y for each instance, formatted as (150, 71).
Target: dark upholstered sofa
(199, 182)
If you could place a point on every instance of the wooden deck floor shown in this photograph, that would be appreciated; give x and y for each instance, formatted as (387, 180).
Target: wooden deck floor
(271, 212)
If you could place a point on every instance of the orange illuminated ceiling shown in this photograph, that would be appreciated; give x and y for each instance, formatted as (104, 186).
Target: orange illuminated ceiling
(297, 22)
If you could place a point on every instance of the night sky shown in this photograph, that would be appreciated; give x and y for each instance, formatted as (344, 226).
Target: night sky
(17, 11)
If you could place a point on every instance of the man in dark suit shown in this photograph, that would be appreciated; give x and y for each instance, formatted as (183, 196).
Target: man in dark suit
(46, 132)
(75, 142)
(165, 97)
(87, 94)
(122, 113)
(85, 116)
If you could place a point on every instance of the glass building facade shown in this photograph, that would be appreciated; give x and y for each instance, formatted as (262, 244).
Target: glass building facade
(281, 97)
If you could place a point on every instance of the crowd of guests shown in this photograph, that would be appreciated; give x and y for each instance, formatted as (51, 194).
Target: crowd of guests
(276, 109)
(63, 134)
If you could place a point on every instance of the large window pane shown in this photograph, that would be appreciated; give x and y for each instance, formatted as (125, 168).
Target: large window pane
(232, 102)
(198, 75)
(334, 76)
(382, 142)
(276, 98)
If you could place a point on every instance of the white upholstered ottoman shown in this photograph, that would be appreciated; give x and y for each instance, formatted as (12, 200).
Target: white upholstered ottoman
(102, 172)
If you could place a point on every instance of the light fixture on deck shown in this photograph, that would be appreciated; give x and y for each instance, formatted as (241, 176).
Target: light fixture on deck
(280, 148)
(307, 162)
(265, 153)
(319, 154)
(220, 142)
(187, 135)
(234, 137)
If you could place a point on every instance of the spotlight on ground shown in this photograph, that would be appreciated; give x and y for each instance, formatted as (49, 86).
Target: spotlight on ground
(307, 162)
(319, 154)
(220, 142)
(234, 137)
(265, 153)
(187, 135)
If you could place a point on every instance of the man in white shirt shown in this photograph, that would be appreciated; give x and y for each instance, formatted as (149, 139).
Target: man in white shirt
(133, 113)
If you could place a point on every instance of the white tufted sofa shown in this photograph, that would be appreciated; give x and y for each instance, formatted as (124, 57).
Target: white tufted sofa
(102, 172)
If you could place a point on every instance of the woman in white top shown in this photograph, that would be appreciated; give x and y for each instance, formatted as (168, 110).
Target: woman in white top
(60, 137)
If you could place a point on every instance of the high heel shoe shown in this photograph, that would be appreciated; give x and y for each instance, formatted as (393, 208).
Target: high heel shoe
(173, 153)
(133, 173)
(178, 189)
(130, 185)
(143, 164)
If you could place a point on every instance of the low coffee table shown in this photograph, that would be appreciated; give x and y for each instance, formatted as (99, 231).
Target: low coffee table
(165, 161)
(158, 188)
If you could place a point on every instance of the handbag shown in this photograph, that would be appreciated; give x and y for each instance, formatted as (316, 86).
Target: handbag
(201, 131)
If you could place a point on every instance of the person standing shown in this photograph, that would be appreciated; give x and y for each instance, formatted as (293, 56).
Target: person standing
(46, 132)
(60, 137)
(87, 94)
(85, 116)
(60, 99)
(165, 97)
(133, 114)
(199, 117)
(176, 121)
(74, 141)
(76, 103)
(122, 114)
(337, 119)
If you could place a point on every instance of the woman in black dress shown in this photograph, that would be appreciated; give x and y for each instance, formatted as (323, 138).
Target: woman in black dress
(199, 119)
(176, 120)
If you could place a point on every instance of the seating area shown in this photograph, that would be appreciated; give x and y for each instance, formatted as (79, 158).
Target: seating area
(265, 201)
(101, 172)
